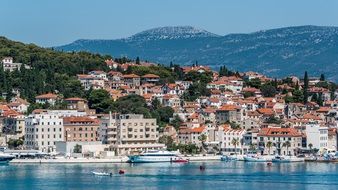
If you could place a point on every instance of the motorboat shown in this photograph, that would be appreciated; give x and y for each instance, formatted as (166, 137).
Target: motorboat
(255, 158)
(102, 174)
(287, 159)
(5, 158)
(154, 156)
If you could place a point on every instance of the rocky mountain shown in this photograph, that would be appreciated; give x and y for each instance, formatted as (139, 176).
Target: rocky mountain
(277, 52)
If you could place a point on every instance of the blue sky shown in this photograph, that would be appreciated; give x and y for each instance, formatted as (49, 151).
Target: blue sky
(51, 23)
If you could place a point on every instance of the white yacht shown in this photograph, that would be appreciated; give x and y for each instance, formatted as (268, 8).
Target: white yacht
(5, 158)
(152, 156)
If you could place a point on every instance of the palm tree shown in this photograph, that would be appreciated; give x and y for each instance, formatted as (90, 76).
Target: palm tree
(269, 145)
(287, 144)
(203, 138)
(252, 147)
(235, 142)
(310, 146)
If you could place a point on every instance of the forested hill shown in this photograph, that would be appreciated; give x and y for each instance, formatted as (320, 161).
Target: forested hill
(52, 71)
(278, 52)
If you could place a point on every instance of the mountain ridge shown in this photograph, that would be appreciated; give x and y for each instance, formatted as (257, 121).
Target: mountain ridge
(277, 52)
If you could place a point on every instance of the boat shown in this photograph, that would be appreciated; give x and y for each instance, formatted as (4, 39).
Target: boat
(287, 159)
(255, 158)
(5, 158)
(154, 156)
(102, 174)
(181, 160)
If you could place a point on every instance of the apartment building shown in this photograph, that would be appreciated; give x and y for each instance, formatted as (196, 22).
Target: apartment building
(42, 130)
(80, 129)
(131, 133)
(285, 141)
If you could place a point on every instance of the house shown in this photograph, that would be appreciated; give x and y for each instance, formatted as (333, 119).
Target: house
(46, 98)
(228, 113)
(18, 104)
(9, 65)
(226, 135)
(285, 141)
(150, 78)
(76, 103)
(132, 80)
(191, 135)
(91, 81)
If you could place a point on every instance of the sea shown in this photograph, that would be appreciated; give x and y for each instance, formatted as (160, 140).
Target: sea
(161, 176)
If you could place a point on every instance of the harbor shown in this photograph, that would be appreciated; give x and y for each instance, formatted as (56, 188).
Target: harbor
(216, 175)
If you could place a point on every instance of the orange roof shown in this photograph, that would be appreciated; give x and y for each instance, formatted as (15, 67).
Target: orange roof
(279, 132)
(47, 96)
(82, 119)
(75, 99)
(228, 108)
(150, 76)
(266, 111)
(323, 109)
(311, 116)
(131, 76)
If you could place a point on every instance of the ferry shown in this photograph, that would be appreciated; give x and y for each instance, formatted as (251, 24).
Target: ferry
(5, 158)
(155, 156)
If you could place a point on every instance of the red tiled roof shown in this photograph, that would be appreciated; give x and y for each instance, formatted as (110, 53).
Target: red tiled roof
(279, 132)
(228, 108)
(150, 76)
(75, 99)
(47, 96)
(82, 119)
(131, 76)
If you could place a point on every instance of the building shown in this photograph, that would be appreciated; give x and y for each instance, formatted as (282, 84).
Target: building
(76, 103)
(285, 141)
(191, 135)
(150, 78)
(131, 133)
(46, 98)
(80, 129)
(43, 130)
(228, 113)
(317, 135)
(132, 80)
(225, 136)
(9, 65)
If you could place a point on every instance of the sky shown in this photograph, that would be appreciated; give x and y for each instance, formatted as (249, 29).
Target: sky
(52, 23)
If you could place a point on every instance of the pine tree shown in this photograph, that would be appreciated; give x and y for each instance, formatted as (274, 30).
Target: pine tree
(322, 77)
(137, 60)
(306, 87)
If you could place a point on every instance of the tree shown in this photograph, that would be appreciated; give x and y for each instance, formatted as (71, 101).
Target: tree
(168, 141)
(252, 147)
(100, 100)
(310, 146)
(203, 138)
(287, 144)
(155, 103)
(322, 77)
(77, 148)
(14, 143)
(137, 60)
(176, 122)
(235, 143)
(305, 89)
(269, 145)
(268, 90)
(255, 83)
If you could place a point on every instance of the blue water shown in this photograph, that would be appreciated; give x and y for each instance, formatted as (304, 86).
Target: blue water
(217, 175)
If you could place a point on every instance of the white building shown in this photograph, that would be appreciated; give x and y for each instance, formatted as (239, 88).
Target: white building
(43, 130)
(317, 135)
(226, 135)
(132, 133)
